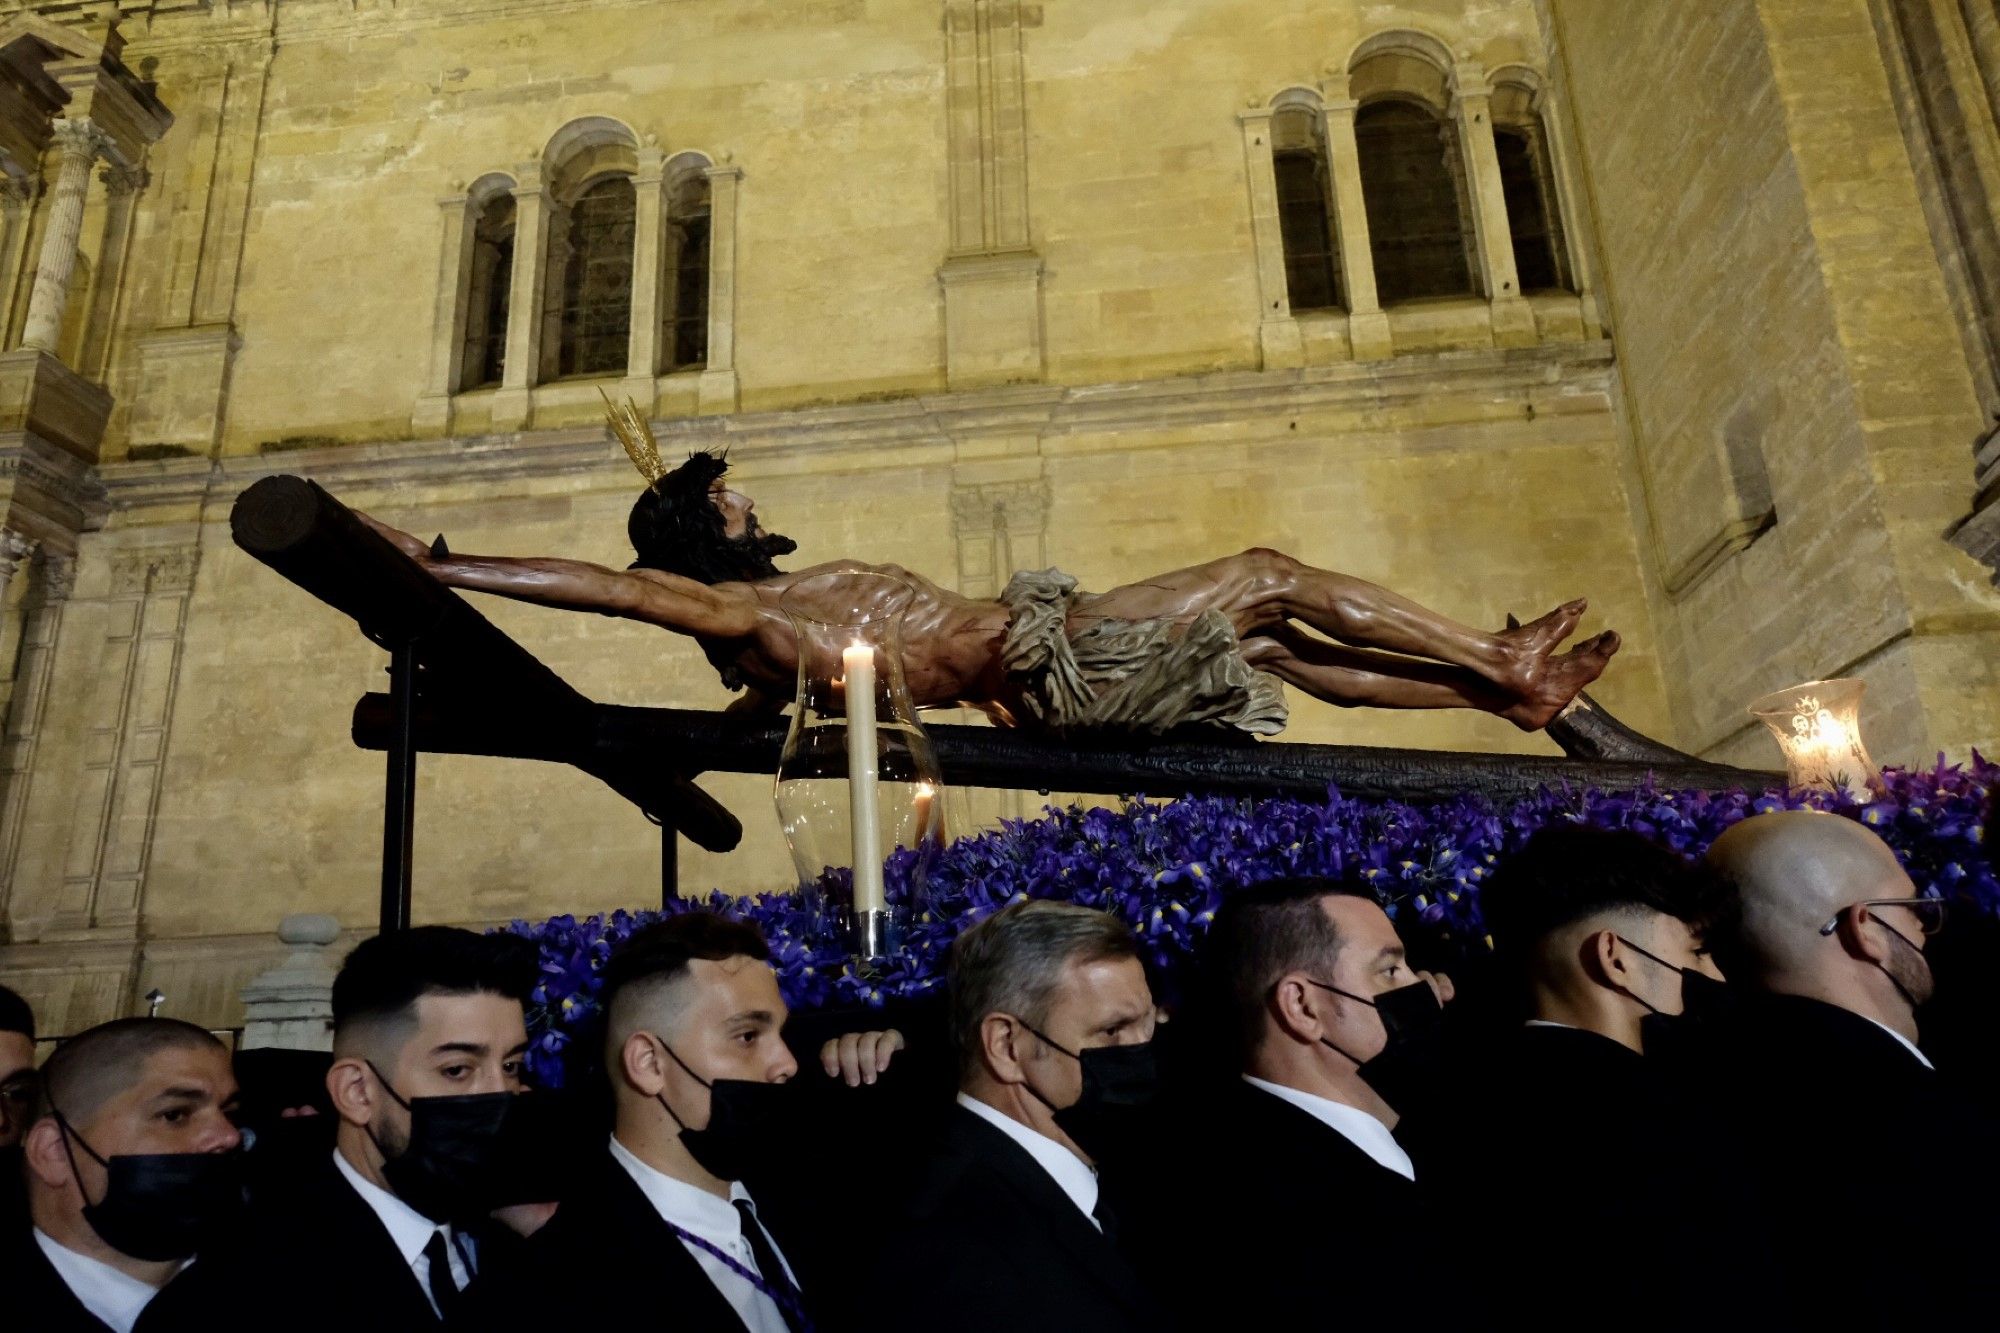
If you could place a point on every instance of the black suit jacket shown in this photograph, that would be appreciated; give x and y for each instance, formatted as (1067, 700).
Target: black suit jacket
(1876, 1181)
(989, 1243)
(1268, 1218)
(34, 1298)
(607, 1251)
(1580, 1178)
(316, 1259)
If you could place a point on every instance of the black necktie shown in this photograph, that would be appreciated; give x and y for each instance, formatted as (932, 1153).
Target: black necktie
(772, 1269)
(444, 1288)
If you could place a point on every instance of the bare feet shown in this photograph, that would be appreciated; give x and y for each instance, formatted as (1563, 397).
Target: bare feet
(1561, 677)
(1525, 649)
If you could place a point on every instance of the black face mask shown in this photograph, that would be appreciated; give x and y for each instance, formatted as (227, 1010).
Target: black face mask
(1117, 1082)
(1706, 1004)
(1412, 1021)
(445, 1169)
(1902, 988)
(161, 1206)
(741, 1116)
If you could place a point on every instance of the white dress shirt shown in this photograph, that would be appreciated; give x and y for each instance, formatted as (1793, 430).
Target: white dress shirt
(410, 1230)
(1358, 1127)
(113, 1296)
(717, 1222)
(1908, 1045)
(1076, 1177)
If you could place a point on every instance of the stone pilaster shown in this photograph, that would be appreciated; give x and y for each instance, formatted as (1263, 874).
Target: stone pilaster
(511, 403)
(718, 390)
(1513, 319)
(1277, 331)
(1367, 325)
(642, 353)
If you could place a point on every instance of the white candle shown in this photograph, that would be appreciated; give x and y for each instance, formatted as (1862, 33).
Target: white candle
(858, 663)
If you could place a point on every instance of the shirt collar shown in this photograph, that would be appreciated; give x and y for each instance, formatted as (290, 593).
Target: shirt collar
(1074, 1176)
(1352, 1123)
(1907, 1044)
(111, 1294)
(686, 1206)
(1549, 1023)
(408, 1228)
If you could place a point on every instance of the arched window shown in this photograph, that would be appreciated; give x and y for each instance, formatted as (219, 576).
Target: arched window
(487, 294)
(597, 280)
(687, 306)
(1410, 180)
(1299, 160)
(1527, 180)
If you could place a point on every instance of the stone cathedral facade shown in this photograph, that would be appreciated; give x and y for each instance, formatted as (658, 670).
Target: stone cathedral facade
(1691, 308)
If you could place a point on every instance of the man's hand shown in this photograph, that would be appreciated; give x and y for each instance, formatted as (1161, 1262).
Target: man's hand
(859, 1057)
(525, 1219)
(412, 547)
(1441, 985)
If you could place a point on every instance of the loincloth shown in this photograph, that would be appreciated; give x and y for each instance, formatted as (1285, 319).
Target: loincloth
(1148, 676)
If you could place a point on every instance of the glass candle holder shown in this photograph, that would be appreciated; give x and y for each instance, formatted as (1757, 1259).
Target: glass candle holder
(858, 788)
(1818, 726)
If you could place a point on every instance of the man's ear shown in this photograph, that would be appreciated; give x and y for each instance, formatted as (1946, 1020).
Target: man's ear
(1294, 1005)
(639, 1061)
(1598, 953)
(42, 1150)
(999, 1048)
(351, 1087)
(1852, 930)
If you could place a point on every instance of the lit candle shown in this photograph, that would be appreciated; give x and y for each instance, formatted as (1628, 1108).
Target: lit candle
(926, 795)
(858, 661)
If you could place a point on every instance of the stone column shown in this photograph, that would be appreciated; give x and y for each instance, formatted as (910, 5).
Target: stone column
(642, 354)
(1367, 325)
(290, 1007)
(17, 203)
(1513, 319)
(524, 302)
(717, 389)
(79, 143)
(1561, 200)
(1278, 336)
(432, 415)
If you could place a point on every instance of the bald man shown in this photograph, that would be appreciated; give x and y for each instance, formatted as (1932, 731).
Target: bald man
(1878, 1182)
(132, 1167)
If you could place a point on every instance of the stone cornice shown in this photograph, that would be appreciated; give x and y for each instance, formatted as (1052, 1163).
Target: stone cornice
(915, 427)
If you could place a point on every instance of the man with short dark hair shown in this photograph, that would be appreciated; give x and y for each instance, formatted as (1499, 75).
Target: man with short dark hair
(686, 1204)
(17, 1070)
(429, 1039)
(1581, 1172)
(132, 1169)
(1009, 1228)
(1848, 1128)
(1308, 1209)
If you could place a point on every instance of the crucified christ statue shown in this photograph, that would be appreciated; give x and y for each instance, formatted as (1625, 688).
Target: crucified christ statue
(1215, 637)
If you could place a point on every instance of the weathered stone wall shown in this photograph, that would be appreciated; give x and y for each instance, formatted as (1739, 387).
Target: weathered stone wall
(997, 285)
(1798, 400)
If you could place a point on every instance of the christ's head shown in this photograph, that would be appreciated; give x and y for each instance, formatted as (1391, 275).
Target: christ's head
(689, 523)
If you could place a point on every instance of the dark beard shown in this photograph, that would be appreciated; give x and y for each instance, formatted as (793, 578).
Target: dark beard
(750, 557)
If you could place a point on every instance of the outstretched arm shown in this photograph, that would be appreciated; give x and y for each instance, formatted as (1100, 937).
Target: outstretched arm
(662, 599)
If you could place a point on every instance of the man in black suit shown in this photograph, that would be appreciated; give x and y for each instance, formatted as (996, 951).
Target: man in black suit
(132, 1165)
(1295, 1206)
(1579, 1173)
(388, 1231)
(1878, 1181)
(704, 1097)
(1008, 1229)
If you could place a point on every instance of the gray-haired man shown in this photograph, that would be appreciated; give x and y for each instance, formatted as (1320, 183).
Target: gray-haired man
(1053, 1020)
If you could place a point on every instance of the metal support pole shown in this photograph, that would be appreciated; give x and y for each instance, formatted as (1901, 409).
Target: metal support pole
(399, 791)
(670, 865)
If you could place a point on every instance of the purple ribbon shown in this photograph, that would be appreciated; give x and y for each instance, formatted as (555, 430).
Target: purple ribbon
(787, 1304)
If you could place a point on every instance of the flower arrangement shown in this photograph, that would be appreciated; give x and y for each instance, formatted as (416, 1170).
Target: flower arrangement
(1165, 868)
